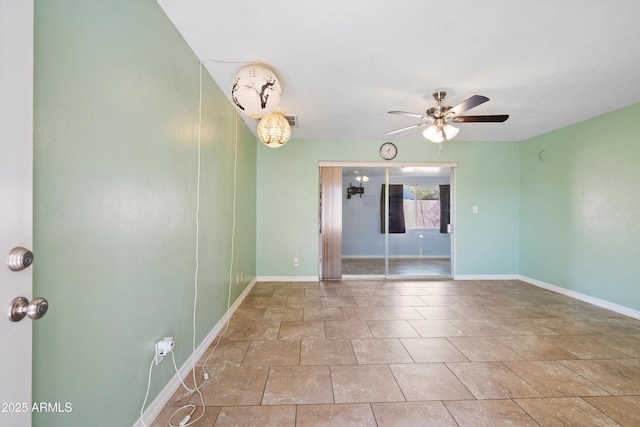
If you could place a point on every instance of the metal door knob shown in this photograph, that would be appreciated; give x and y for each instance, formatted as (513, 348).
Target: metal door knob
(19, 259)
(21, 307)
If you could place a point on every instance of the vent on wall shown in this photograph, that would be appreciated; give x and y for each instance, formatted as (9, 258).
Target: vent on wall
(293, 120)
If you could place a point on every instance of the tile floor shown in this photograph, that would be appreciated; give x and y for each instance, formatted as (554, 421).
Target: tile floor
(419, 353)
(408, 267)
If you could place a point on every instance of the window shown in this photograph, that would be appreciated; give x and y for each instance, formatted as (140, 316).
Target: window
(422, 206)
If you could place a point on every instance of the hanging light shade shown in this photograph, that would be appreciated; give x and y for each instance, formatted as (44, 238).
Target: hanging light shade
(256, 91)
(274, 130)
(450, 131)
(434, 134)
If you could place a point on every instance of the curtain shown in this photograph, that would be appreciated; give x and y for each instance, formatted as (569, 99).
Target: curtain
(396, 209)
(331, 223)
(445, 207)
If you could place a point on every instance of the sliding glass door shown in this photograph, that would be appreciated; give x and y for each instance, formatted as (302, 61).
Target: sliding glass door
(396, 221)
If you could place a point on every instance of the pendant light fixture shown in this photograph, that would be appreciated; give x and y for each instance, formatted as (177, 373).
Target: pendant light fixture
(274, 130)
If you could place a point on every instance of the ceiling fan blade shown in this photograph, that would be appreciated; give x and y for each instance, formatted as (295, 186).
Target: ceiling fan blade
(468, 104)
(406, 113)
(407, 128)
(498, 118)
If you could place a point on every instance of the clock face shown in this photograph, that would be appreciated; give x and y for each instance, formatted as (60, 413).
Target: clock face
(388, 151)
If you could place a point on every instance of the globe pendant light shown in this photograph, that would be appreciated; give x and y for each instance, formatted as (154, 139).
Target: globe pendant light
(274, 130)
(256, 91)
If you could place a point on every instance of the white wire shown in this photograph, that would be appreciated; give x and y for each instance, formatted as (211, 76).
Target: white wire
(197, 268)
(192, 407)
(233, 238)
(146, 395)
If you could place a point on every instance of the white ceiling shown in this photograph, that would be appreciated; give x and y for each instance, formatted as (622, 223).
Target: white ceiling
(343, 64)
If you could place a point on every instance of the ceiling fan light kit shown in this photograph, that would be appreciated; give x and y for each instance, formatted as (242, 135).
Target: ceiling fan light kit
(440, 116)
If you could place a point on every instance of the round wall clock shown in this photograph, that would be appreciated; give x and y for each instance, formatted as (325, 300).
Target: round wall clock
(388, 150)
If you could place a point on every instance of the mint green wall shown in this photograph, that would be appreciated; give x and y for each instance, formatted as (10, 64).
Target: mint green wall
(116, 115)
(287, 201)
(579, 207)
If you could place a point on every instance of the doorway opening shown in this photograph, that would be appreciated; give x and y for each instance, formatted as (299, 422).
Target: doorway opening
(393, 221)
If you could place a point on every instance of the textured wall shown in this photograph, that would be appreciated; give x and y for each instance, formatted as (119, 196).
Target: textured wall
(579, 207)
(115, 165)
(487, 177)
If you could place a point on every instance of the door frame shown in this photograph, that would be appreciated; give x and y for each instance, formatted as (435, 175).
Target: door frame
(377, 164)
(16, 204)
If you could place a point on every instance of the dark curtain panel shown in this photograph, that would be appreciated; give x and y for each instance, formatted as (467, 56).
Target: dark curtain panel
(445, 204)
(396, 209)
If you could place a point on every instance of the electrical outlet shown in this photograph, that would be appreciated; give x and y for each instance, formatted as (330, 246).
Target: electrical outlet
(164, 347)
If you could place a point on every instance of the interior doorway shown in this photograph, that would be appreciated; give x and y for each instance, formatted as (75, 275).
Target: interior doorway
(396, 221)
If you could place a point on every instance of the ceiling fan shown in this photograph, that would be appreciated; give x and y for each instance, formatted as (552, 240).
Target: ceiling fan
(441, 117)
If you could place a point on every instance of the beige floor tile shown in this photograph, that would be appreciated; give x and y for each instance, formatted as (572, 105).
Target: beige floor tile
(373, 301)
(169, 415)
(364, 383)
(564, 326)
(408, 414)
(475, 311)
(347, 329)
(625, 410)
(489, 413)
(607, 374)
(320, 292)
(432, 350)
(297, 302)
(377, 351)
(352, 292)
(285, 292)
(254, 331)
(264, 302)
(335, 415)
(282, 314)
(298, 385)
(490, 340)
(328, 302)
(318, 313)
(361, 313)
(413, 291)
(406, 301)
(553, 379)
(327, 352)
(484, 349)
(526, 327)
(629, 363)
(535, 348)
(430, 381)
(248, 314)
(272, 353)
(227, 353)
(627, 344)
(566, 411)
(233, 385)
(250, 416)
(435, 328)
(480, 327)
(391, 329)
(492, 380)
(585, 347)
(400, 313)
(300, 330)
(439, 300)
(437, 312)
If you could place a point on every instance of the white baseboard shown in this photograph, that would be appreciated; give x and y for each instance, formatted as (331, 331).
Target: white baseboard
(287, 278)
(620, 309)
(397, 256)
(486, 277)
(163, 397)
